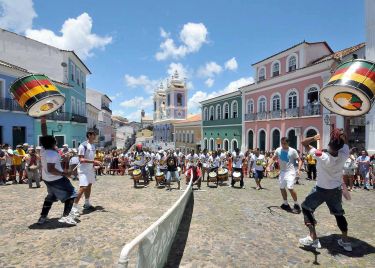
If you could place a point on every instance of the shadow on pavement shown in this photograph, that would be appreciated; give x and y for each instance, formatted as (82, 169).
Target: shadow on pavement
(94, 209)
(51, 224)
(360, 248)
(178, 246)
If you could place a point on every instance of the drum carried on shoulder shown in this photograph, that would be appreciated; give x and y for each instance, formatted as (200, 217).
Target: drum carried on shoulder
(37, 95)
(351, 89)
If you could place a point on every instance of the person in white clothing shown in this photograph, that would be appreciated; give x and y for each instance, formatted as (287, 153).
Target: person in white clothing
(287, 156)
(86, 171)
(238, 158)
(257, 164)
(328, 188)
(58, 185)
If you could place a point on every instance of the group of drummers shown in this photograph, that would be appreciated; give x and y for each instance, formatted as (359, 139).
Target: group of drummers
(212, 167)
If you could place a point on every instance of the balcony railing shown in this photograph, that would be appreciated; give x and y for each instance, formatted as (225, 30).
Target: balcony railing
(9, 104)
(106, 109)
(67, 117)
(309, 110)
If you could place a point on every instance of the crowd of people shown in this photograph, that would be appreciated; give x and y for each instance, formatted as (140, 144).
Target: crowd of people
(336, 170)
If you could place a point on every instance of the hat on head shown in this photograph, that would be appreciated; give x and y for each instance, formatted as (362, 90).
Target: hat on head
(25, 144)
(19, 146)
(10, 151)
(65, 145)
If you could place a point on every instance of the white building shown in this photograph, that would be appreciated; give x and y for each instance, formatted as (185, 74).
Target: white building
(121, 135)
(370, 55)
(92, 114)
(102, 102)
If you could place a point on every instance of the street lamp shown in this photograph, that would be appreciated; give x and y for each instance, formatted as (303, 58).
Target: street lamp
(59, 128)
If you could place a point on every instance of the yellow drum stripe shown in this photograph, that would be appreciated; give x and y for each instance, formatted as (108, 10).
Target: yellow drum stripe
(34, 91)
(358, 78)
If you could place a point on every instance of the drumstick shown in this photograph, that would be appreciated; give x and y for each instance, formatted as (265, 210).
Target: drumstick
(76, 166)
(318, 144)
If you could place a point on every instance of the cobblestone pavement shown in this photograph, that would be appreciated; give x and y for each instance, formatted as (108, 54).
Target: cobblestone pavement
(122, 213)
(228, 228)
(246, 228)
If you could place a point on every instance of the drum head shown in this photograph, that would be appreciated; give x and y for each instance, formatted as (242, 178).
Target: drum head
(345, 100)
(212, 174)
(136, 172)
(46, 105)
(236, 174)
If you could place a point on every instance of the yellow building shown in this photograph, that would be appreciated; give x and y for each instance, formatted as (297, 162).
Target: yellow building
(188, 133)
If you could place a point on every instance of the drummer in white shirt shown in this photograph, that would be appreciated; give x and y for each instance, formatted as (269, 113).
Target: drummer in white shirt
(204, 158)
(238, 158)
(257, 163)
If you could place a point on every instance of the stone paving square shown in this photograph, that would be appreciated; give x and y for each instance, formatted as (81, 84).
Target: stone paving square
(222, 227)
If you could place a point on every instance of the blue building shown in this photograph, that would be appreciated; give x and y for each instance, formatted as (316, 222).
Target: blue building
(16, 127)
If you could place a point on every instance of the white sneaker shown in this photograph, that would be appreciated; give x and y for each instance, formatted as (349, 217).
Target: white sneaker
(309, 242)
(68, 220)
(75, 212)
(345, 245)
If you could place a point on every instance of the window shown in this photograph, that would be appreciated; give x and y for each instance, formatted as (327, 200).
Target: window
(212, 113)
(78, 75)
(250, 140)
(234, 145)
(312, 95)
(168, 99)
(205, 116)
(275, 69)
(311, 133)
(226, 110)
(179, 99)
(276, 103)
(262, 74)
(292, 100)
(250, 106)
(262, 105)
(234, 109)
(218, 112)
(262, 140)
(205, 144)
(2, 89)
(192, 137)
(292, 64)
(226, 145)
(212, 145)
(19, 135)
(72, 70)
(154, 105)
(72, 105)
(275, 139)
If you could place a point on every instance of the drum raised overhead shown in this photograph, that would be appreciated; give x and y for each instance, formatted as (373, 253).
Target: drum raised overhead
(36, 95)
(351, 89)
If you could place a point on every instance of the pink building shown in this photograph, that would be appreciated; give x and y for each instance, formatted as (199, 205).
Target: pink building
(284, 100)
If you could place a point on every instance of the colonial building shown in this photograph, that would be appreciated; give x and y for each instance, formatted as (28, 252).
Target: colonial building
(123, 132)
(102, 102)
(92, 114)
(145, 120)
(188, 134)
(69, 73)
(170, 106)
(222, 122)
(284, 100)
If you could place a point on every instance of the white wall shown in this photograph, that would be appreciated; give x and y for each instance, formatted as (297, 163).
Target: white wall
(34, 56)
(314, 52)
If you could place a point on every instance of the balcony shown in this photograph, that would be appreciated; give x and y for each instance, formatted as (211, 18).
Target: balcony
(106, 109)
(312, 109)
(250, 117)
(276, 114)
(67, 117)
(10, 105)
(292, 112)
(262, 116)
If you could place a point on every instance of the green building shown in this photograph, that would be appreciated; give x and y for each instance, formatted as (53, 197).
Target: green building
(222, 122)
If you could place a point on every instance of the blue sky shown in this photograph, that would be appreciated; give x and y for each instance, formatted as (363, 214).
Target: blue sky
(213, 42)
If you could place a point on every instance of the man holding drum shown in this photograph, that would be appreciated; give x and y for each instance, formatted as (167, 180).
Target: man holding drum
(257, 163)
(172, 170)
(287, 156)
(238, 158)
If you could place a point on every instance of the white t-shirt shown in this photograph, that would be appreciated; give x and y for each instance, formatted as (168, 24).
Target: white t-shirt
(287, 158)
(88, 151)
(330, 168)
(50, 157)
(258, 162)
(74, 161)
(204, 159)
(237, 160)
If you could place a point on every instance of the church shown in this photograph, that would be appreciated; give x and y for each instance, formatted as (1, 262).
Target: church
(170, 106)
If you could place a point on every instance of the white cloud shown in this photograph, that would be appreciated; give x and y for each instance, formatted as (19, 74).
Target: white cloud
(210, 69)
(182, 71)
(17, 15)
(231, 64)
(141, 81)
(193, 103)
(209, 82)
(115, 96)
(138, 102)
(76, 34)
(192, 36)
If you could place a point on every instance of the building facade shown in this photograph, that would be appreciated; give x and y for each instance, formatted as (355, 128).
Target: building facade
(16, 127)
(68, 72)
(102, 102)
(188, 134)
(284, 100)
(170, 106)
(222, 122)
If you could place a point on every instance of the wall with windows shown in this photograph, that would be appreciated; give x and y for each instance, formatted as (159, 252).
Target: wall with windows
(222, 112)
(222, 138)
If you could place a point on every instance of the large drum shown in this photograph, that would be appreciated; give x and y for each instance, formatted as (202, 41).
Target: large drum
(212, 176)
(236, 176)
(130, 171)
(222, 174)
(36, 95)
(159, 177)
(137, 174)
(351, 89)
